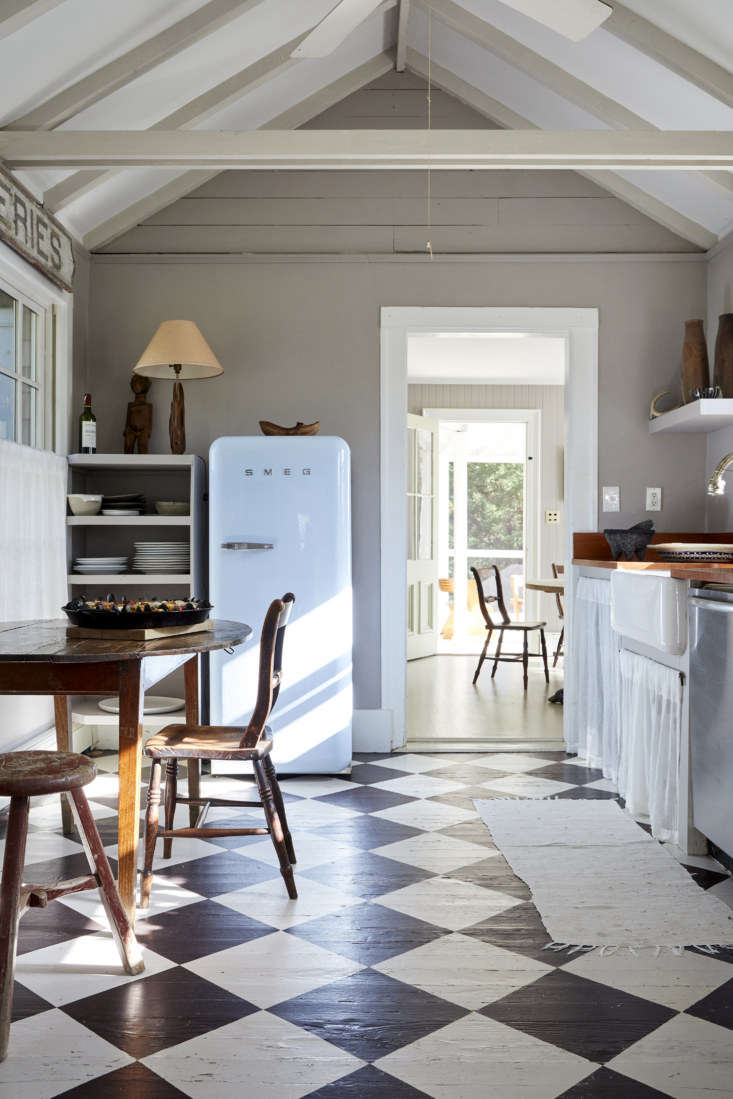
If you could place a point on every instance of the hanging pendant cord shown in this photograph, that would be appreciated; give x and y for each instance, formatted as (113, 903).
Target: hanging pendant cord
(428, 212)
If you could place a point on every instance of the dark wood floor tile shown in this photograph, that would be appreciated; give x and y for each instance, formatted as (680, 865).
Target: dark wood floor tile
(607, 1084)
(493, 873)
(367, 1083)
(582, 793)
(569, 772)
(368, 773)
(368, 933)
(367, 832)
(717, 1007)
(521, 931)
(584, 1017)
(195, 930)
(365, 799)
(467, 773)
(367, 875)
(155, 1012)
(26, 1003)
(369, 1014)
(464, 799)
(705, 878)
(56, 923)
(472, 831)
(134, 1081)
(213, 875)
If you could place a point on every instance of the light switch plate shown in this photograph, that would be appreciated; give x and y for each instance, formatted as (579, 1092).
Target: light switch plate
(611, 498)
(653, 499)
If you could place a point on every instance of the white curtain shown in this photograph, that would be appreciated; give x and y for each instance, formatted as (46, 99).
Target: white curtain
(651, 718)
(595, 730)
(32, 533)
(32, 565)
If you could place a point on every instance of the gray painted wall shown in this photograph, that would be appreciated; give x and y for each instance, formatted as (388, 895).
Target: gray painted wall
(300, 340)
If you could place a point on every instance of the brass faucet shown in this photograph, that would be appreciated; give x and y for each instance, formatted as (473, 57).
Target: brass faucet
(716, 484)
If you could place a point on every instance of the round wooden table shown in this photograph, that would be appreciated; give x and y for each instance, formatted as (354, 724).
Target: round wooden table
(551, 584)
(50, 658)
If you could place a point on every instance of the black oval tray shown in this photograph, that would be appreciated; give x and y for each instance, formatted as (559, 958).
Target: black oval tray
(134, 620)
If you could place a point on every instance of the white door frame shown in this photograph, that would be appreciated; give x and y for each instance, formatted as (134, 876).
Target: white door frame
(579, 329)
(532, 419)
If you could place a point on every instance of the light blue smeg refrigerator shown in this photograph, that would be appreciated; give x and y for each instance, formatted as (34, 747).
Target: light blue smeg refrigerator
(280, 520)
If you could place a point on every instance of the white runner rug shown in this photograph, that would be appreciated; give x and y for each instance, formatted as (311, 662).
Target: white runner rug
(599, 880)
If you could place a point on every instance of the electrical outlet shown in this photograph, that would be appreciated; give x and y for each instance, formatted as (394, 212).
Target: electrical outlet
(611, 498)
(552, 516)
(653, 499)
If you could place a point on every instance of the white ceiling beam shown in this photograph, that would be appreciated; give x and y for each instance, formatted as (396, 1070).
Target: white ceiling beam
(183, 185)
(615, 185)
(191, 114)
(575, 91)
(402, 22)
(16, 14)
(678, 150)
(115, 74)
(676, 56)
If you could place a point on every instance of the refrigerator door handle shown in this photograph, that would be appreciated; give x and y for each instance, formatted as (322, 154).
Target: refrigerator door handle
(247, 545)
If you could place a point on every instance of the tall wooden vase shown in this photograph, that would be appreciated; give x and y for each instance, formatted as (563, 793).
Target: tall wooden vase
(695, 369)
(723, 370)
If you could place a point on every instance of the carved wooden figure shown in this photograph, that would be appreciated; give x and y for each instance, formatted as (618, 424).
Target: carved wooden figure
(139, 421)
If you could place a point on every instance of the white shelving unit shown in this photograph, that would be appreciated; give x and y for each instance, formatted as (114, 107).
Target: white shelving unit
(702, 416)
(158, 477)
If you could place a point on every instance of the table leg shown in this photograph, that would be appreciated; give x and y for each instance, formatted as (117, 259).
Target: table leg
(62, 714)
(131, 739)
(191, 679)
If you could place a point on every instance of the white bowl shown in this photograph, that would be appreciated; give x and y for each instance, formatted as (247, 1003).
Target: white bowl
(82, 504)
(171, 507)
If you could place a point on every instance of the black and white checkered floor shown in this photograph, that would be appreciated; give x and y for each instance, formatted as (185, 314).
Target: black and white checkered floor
(411, 965)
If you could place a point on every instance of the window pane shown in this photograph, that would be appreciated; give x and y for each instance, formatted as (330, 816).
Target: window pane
(29, 365)
(425, 461)
(7, 332)
(495, 505)
(28, 425)
(7, 408)
(411, 482)
(424, 528)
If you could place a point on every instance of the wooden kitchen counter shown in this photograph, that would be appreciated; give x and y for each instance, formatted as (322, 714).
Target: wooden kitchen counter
(591, 549)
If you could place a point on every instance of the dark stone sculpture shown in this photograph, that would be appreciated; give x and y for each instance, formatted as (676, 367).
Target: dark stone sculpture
(632, 542)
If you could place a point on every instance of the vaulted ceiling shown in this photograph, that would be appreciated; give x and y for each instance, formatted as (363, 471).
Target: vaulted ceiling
(226, 65)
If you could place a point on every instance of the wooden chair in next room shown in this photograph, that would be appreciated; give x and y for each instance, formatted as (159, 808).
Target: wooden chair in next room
(251, 743)
(488, 585)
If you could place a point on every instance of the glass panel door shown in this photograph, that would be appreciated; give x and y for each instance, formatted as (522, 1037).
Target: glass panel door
(21, 371)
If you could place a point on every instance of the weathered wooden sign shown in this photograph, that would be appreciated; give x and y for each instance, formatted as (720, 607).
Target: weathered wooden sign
(27, 228)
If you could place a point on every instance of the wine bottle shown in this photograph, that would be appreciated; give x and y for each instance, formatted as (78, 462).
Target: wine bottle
(87, 428)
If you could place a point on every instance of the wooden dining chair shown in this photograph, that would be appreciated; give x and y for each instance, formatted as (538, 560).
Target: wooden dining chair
(488, 585)
(252, 743)
(557, 571)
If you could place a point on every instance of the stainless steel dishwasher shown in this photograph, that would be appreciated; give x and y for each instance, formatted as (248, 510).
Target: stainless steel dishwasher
(711, 714)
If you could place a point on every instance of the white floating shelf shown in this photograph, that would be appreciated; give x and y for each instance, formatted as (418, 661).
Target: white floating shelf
(128, 520)
(704, 415)
(146, 578)
(134, 462)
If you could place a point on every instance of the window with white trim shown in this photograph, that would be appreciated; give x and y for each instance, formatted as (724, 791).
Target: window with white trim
(24, 386)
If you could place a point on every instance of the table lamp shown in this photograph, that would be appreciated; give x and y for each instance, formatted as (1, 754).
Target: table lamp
(178, 351)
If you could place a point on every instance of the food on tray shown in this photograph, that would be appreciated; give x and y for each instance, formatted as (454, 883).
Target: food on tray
(112, 613)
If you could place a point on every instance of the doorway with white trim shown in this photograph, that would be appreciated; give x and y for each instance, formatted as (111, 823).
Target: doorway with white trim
(504, 475)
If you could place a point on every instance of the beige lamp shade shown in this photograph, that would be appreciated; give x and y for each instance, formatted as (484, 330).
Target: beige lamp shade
(178, 343)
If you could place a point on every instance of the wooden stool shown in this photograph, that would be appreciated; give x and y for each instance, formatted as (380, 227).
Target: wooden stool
(24, 775)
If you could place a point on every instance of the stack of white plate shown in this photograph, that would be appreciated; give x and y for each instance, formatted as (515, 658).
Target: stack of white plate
(87, 566)
(173, 557)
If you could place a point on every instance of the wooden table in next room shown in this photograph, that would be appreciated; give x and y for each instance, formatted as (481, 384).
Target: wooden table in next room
(550, 585)
(44, 658)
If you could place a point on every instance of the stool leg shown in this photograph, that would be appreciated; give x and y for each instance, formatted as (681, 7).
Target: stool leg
(10, 911)
(151, 832)
(275, 826)
(525, 657)
(62, 715)
(279, 805)
(171, 792)
(122, 932)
